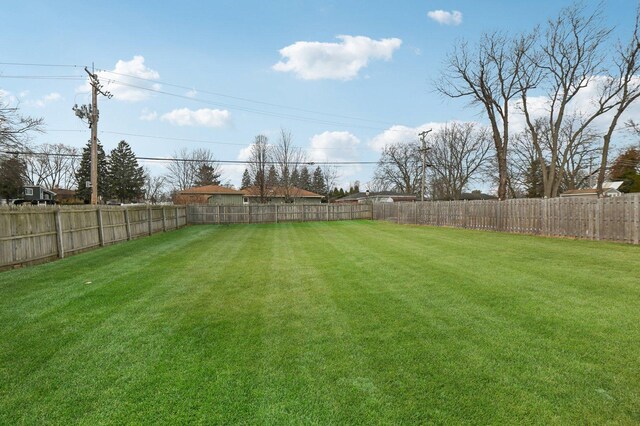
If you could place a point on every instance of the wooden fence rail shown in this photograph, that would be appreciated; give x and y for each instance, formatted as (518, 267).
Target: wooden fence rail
(36, 234)
(275, 213)
(610, 219)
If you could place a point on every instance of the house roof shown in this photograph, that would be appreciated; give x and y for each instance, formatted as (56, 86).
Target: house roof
(361, 195)
(612, 185)
(587, 191)
(475, 195)
(64, 192)
(210, 190)
(278, 191)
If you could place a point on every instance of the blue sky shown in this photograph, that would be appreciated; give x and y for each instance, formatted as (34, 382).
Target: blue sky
(378, 76)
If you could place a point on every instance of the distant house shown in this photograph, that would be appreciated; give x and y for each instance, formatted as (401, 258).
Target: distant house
(476, 195)
(609, 189)
(35, 194)
(220, 195)
(67, 196)
(209, 194)
(279, 195)
(376, 197)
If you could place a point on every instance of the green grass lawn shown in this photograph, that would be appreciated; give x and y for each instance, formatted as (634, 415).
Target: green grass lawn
(344, 322)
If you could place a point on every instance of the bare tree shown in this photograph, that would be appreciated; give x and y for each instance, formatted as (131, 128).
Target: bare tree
(287, 158)
(488, 76)
(331, 176)
(52, 166)
(154, 186)
(577, 150)
(569, 59)
(458, 152)
(399, 168)
(259, 161)
(187, 167)
(626, 86)
(181, 173)
(15, 129)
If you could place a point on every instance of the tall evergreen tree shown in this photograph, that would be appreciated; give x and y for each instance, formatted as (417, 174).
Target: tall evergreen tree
(207, 175)
(125, 177)
(83, 174)
(272, 177)
(318, 182)
(12, 172)
(295, 178)
(246, 179)
(533, 181)
(304, 181)
(627, 169)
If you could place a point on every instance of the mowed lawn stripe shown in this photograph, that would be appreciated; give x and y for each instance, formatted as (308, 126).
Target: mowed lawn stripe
(485, 306)
(315, 323)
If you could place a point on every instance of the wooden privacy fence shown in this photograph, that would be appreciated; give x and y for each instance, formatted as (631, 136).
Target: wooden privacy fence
(33, 234)
(611, 219)
(274, 213)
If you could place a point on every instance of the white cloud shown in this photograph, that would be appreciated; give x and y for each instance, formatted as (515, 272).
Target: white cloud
(336, 146)
(446, 18)
(43, 101)
(125, 80)
(8, 98)
(147, 115)
(191, 93)
(399, 133)
(585, 104)
(24, 94)
(312, 60)
(204, 117)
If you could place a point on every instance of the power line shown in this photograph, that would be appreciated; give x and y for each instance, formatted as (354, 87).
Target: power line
(179, 139)
(245, 109)
(246, 99)
(230, 106)
(27, 64)
(191, 160)
(44, 77)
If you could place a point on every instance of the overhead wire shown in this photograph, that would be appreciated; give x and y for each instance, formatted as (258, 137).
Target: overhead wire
(244, 98)
(180, 139)
(191, 160)
(246, 109)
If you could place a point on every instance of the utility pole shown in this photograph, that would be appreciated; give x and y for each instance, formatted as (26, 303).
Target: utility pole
(423, 151)
(91, 114)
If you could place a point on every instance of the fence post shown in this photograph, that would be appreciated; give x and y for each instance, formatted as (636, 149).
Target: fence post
(276, 213)
(59, 233)
(598, 219)
(100, 227)
(149, 219)
(177, 222)
(164, 220)
(327, 212)
(304, 217)
(636, 219)
(399, 212)
(464, 213)
(127, 223)
(249, 212)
